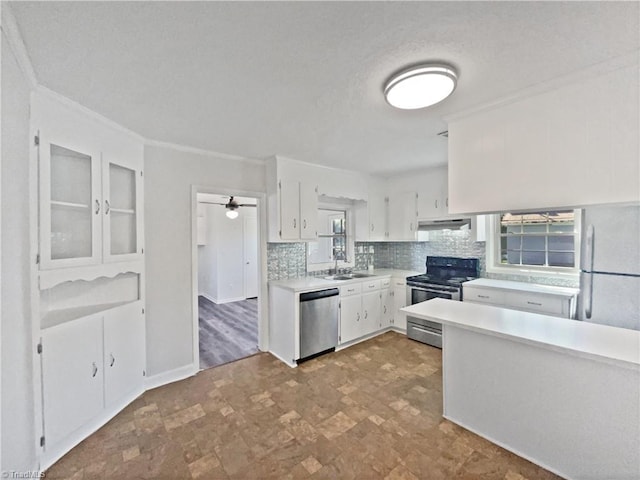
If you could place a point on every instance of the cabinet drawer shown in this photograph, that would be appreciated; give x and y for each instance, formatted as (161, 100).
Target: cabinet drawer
(548, 304)
(385, 282)
(351, 289)
(483, 295)
(371, 285)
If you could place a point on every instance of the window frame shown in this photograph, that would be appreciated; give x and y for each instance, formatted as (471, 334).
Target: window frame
(350, 238)
(494, 265)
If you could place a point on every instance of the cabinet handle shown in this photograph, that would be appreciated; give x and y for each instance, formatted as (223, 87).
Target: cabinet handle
(113, 360)
(294, 223)
(95, 369)
(385, 309)
(447, 202)
(372, 227)
(97, 206)
(534, 303)
(436, 203)
(304, 223)
(365, 314)
(411, 226)
(107, 207)
(358, 317)
(483, 296)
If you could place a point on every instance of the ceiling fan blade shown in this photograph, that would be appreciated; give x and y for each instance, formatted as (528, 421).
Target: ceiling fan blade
(213, 203)
(247, 205)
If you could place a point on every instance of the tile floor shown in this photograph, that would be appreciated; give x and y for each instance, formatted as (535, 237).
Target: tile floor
(372, 411)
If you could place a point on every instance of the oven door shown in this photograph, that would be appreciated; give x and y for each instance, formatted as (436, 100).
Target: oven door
(422, 294)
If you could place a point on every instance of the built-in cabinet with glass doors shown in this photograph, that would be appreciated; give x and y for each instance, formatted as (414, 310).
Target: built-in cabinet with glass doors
(89, 304)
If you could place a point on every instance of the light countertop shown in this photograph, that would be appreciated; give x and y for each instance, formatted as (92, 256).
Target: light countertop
(619, 346)
(312, 283)
(521, 286)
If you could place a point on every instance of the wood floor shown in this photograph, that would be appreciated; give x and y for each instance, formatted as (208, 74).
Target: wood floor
(371, 411)
(228, 331)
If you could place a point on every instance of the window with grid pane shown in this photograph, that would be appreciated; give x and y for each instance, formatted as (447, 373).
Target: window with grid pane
(544, 239)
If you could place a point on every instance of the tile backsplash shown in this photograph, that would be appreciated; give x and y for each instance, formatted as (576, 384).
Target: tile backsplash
(412, 255)
(288, 260)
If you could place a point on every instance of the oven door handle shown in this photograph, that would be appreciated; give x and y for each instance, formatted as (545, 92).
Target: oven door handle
(422, 289)
(425, 330)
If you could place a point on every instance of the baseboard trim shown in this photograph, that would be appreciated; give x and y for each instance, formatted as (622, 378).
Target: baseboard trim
(507, 447)
(56, 452)
(229, 300)
(171, 376)
(290, 364)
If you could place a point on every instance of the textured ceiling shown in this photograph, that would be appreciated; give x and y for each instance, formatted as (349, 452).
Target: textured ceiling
(304, 79)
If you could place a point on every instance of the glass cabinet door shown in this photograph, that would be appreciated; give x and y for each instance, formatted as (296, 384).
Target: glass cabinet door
(121, 190)
(70, 207)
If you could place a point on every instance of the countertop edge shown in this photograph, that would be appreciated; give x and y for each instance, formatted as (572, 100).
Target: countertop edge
(589, 353)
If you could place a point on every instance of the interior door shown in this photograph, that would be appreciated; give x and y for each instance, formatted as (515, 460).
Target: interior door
(250, 256)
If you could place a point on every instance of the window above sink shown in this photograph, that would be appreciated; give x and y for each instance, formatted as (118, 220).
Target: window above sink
(335, 237)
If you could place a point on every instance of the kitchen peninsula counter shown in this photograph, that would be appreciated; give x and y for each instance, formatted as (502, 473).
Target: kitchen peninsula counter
(562, 393)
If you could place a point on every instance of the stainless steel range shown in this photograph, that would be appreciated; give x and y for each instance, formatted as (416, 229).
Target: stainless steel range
(444, 279)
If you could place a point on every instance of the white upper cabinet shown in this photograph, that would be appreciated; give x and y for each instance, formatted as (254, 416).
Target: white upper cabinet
(90, 188)
(433, 201)
(372, 218)
(70, 203)
(573, 146)
(403, 216)
(122, 198)
(308, 210)
(292, 201)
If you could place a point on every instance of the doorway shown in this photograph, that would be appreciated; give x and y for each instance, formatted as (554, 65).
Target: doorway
(228, 278)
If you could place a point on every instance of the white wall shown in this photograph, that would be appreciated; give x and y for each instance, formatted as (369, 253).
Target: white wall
(169, 176)
(18, 430)
(221, 265)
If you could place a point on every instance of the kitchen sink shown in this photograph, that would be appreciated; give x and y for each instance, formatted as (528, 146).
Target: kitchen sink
(339, 277)
(348, 276)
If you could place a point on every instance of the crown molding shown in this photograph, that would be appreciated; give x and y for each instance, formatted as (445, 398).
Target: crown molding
(203, 152)
(623, 61)
(12, 34)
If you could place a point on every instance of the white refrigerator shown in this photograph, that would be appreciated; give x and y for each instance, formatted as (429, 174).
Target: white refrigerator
(610, 266)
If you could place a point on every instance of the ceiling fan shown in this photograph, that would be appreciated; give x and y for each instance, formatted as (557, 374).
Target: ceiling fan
(231, 206)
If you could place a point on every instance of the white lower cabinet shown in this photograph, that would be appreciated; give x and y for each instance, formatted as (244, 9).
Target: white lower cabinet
(124, 353)
(371, 310)
(386, 303)
(547, 300)
(72, 376)
(399, 301)
(351, 324)
(90, 366)
(360, 309)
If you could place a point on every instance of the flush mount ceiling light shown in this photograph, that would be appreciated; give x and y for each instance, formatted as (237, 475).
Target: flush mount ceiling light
(420, 86)
(232, 214)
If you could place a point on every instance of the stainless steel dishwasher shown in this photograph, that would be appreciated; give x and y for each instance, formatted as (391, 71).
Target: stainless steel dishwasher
(319, 313)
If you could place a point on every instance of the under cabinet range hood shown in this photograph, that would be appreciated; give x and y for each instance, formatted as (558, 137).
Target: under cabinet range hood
(444, 224)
